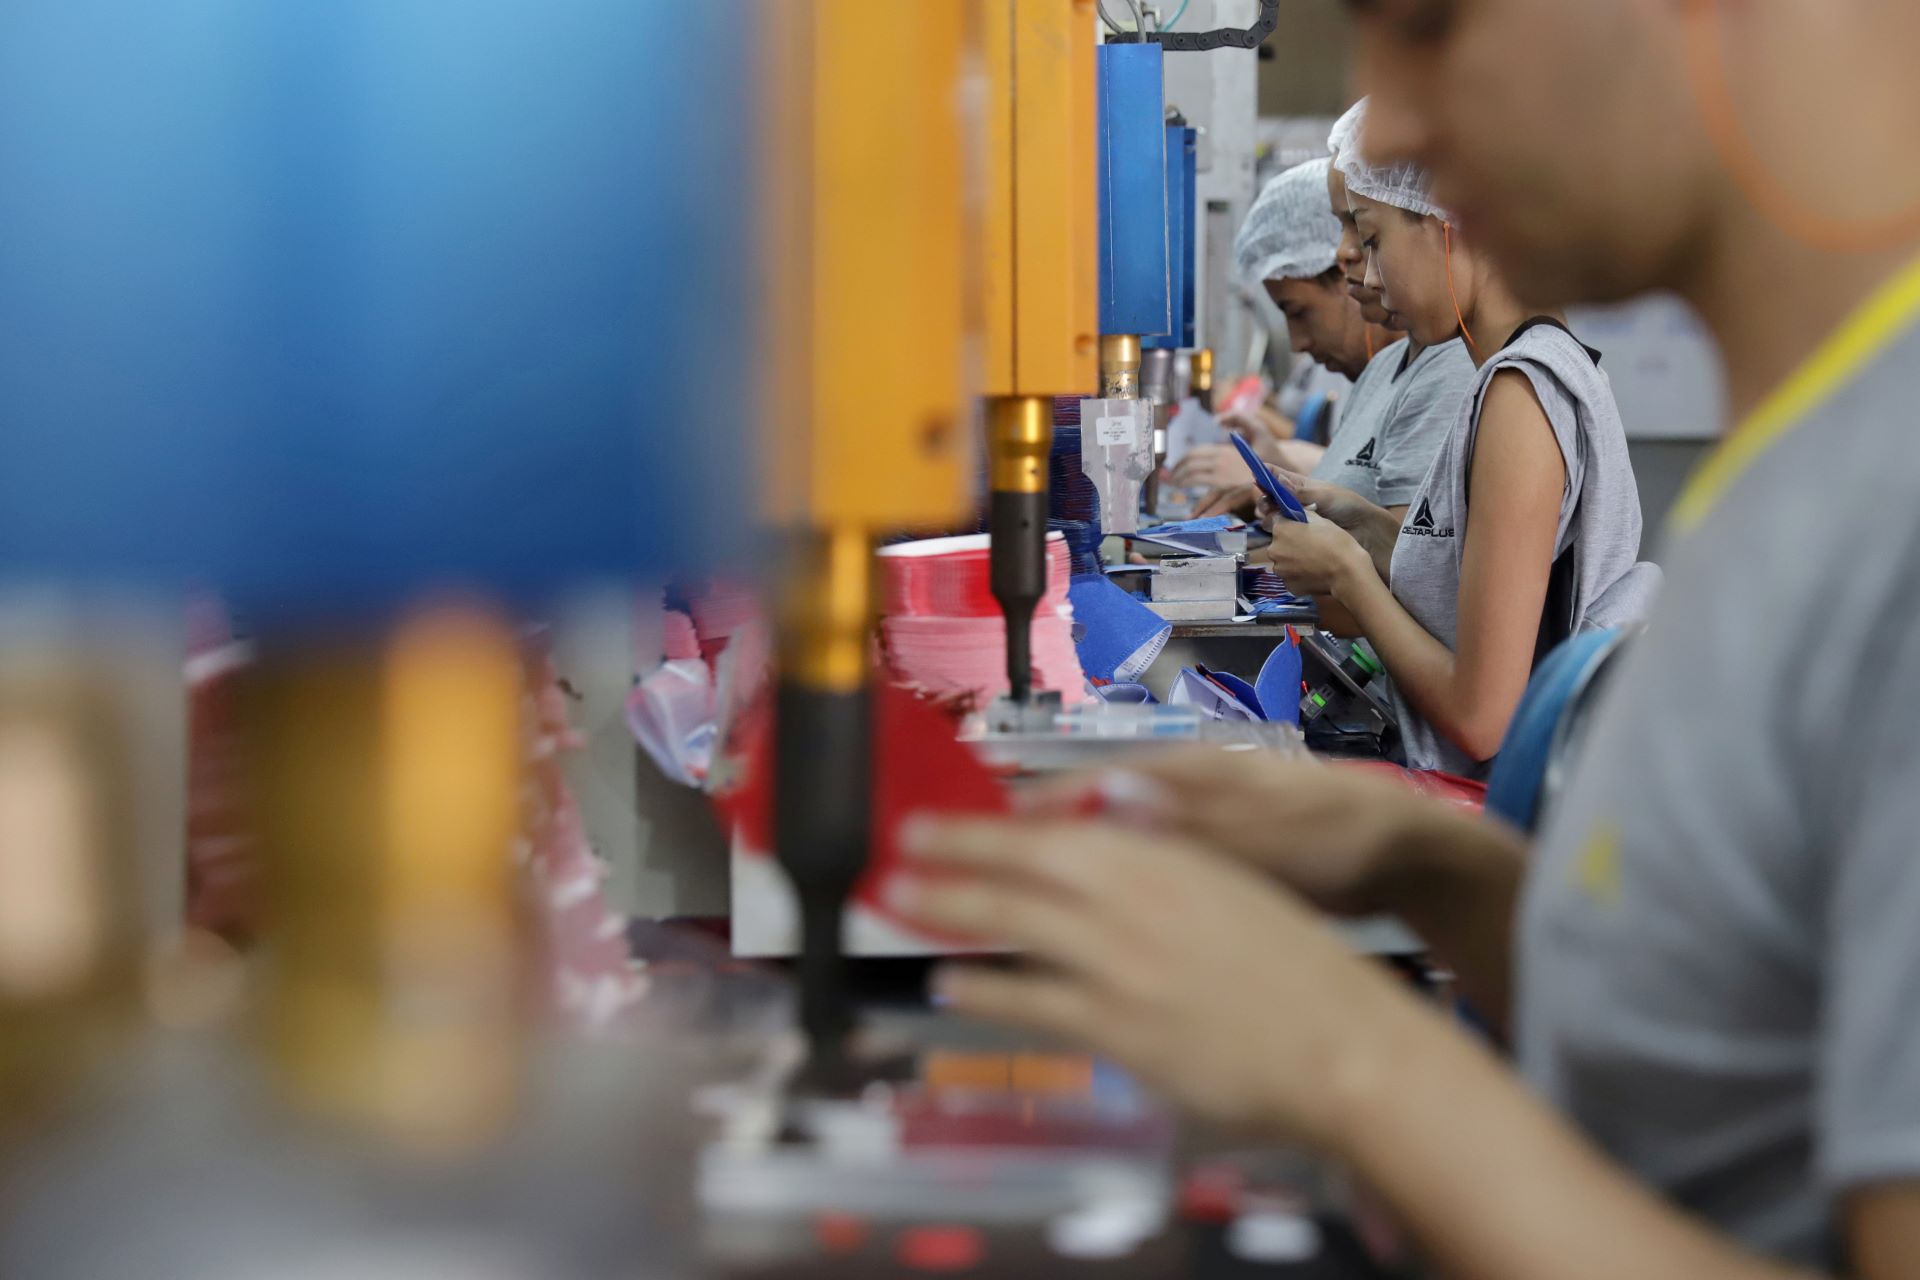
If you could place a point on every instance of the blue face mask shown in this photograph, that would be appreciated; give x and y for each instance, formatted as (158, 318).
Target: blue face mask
(1116, 636)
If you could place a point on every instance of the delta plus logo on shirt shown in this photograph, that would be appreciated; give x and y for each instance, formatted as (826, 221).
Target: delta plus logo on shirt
(1422, 524)
(1364, 458)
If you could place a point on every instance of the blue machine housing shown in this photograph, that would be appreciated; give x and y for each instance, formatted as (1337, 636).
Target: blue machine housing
(1136, 263)
(325, 302)
(1183, 194)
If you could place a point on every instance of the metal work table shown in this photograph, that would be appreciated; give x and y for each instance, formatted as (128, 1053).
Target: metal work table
(1186, 1253)
(1239, 646)
(1185, 1250)
(1245, 628)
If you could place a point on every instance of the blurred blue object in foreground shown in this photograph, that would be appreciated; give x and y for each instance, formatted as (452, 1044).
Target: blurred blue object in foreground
(327, 301)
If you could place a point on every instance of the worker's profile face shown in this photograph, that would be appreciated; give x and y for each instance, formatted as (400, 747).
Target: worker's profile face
(1560, 133)
(1406, 262)
(1323, 322)
(1351, 260)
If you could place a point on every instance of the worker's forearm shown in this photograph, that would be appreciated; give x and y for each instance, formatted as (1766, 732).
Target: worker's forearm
(1456, 883)
(1378, 537)
(1376, 529)
(1422, 668)
(1491, 1184)
(1383, 532)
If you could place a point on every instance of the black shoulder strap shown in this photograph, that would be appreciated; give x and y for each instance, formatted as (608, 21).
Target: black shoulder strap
(1557, 612)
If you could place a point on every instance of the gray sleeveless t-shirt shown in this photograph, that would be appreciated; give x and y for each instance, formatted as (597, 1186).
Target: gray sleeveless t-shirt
(1599, 516)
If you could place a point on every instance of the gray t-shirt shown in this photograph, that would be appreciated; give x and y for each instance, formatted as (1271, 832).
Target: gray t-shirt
(1599, 515)
(1393, 421)
(1719, 942)
(1307, 380)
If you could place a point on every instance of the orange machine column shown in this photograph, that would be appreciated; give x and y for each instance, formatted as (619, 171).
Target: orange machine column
(874, 320)
(1041, 272)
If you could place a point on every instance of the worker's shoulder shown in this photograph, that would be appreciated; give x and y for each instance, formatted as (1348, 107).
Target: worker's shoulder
(1384, 364)
(1822, 502)
(1432, 397)
(1860, 439)
(1440, 372)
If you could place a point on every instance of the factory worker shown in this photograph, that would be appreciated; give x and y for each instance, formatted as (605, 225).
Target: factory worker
(1525, 529)
(1708, 965)
(1406, 400)
(1287, 246)
(1404, 403)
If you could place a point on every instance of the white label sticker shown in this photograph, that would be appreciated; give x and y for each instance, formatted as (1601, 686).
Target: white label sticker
(1116, 431)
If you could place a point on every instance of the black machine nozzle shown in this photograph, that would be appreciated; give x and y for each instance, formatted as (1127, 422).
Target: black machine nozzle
(822, 803)
(1017, 524)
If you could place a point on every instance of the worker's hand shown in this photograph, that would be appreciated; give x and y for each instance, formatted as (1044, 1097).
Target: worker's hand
(1211, 466)
(1259, 425)
(1348, 840)
(1317, 558)
(1241, 501)
(1211, 984)
(1341, 506)
(1297, 456)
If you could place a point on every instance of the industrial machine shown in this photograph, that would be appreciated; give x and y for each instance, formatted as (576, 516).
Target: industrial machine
(365, 356)
(1040, 285)
(1136, 277)
(875, 308)
(1148, 265)
(307, 308)
(1074, 259)
(1159, 353)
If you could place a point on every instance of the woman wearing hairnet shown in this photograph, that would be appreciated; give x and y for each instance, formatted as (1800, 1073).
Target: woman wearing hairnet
(1706, 966)
(1406, 397)
(1401, 406)
(1525, 529)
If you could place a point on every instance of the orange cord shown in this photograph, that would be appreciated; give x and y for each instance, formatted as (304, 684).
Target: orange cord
(1749, 171)
(1464, 331)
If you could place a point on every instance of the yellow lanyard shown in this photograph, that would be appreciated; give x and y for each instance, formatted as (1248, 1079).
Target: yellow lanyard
(1870, 330)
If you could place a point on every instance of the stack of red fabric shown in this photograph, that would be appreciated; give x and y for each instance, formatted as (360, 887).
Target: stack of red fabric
(719, 609)
(943, 632)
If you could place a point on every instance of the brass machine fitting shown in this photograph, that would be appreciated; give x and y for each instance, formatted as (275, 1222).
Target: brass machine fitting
(1201, 364)
(1119, 366)
(827, 610)
(1019, 439)
(70, 945)
(386, 784)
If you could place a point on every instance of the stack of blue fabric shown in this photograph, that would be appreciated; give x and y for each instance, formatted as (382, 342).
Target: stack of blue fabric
(1083, 543)
(1073, 504)
(1071, 495)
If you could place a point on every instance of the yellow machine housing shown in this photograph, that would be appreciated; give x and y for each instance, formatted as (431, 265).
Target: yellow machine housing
(1042, 228)
(873, 267)
(871, 263)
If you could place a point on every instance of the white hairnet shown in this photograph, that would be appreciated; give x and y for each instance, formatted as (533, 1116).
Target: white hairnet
(1290, 232)
(1346, 130)
(1404, 186)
